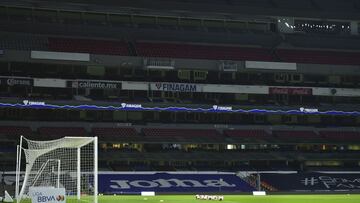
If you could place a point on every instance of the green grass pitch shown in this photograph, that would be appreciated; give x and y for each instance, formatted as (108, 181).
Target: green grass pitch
(326, 198)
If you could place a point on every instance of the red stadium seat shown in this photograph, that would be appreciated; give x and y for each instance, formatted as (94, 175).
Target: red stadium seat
(180, 132)
(88, 46)
(296, 134)
(113, 134)
(177, 50)
(340, 135)
(319, 57)
(58, 132)
(14, 132)
(196, 51)
(246, 133)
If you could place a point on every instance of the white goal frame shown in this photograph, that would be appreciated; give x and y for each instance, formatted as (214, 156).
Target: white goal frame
(82, 141)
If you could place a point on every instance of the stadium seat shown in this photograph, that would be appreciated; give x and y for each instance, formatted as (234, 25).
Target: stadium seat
(14, 132)
(319, 57)
(113, 133)
(181, 135)
(246, 133)
(88, 46)
(177, 50)
(23, 42)
(240, 135)
(340, 135)
(179, 132)
(300, 135)
(58, 132)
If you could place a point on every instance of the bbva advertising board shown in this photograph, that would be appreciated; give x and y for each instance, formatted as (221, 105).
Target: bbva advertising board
(47, 195)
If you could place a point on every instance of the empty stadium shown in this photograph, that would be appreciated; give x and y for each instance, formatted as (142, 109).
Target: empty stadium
(182, 99)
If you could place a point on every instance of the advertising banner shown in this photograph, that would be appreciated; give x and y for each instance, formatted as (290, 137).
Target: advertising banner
(16, 81)
(47, 195)
(128, 183)
(313, 181)
(54, 55)
(290, 91)
(270, 65)
(175, 87)
(136, 182)
(93, 84)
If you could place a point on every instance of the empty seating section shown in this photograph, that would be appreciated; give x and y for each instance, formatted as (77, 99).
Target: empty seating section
(319, 57)
(178, 50)
(196, 51)
(338, 6)
(20, 42)
(108, 134)
(250, 3)
(296, 134)
(57, 132)
(304, 4)
(180, 132)
(246, 133)
(340, 135)
(88, 46)
(14, 132)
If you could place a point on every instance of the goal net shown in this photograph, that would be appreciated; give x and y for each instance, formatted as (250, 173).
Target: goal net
(69, 162)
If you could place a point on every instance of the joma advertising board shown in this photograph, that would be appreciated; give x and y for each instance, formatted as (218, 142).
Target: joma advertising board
(171, 182)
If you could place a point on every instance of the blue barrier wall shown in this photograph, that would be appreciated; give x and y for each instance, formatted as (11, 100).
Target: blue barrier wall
(313, 181)
(127, 183)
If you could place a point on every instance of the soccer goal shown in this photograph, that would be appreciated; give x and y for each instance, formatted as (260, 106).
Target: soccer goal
(69, 163)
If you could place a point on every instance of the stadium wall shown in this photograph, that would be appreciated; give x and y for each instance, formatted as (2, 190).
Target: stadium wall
(216, 182)
(159, 182)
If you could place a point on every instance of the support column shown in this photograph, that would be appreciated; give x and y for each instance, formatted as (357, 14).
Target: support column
(95, 170)
(78, 175)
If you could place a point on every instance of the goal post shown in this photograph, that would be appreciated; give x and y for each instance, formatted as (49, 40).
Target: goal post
(70, 163)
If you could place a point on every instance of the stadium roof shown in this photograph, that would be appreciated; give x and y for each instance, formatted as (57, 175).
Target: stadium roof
(330, 9)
